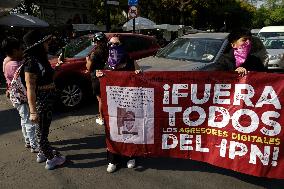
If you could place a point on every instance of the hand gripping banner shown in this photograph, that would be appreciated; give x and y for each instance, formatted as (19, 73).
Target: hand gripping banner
(215, 117)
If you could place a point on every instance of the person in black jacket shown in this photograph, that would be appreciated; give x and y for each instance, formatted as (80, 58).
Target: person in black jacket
(96, 61)
(238, 56)
(119, 60)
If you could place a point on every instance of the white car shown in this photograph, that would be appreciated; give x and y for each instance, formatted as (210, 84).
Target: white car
(270, 31)
(275, 49)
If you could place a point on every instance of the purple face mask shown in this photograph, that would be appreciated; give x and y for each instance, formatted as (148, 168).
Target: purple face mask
(242, 52)
(116, 56)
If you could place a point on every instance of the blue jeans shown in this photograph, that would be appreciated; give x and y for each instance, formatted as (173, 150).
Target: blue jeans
(28, 128)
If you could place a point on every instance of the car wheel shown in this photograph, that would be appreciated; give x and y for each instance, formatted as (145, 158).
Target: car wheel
(71, 95)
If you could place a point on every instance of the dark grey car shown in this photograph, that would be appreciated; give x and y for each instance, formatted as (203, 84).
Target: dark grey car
(199, 51)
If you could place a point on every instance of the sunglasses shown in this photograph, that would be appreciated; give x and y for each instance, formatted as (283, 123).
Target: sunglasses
(114, 44)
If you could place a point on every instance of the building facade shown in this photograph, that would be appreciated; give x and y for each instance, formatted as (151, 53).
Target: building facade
(66, 11)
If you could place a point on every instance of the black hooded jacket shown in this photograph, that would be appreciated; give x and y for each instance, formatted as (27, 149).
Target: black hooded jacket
(227, 62)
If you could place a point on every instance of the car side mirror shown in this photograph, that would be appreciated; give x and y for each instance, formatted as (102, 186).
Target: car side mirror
(62, 55)
(262, 39)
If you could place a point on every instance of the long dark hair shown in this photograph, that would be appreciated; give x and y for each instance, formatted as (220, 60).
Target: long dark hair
(37, 52)
(102, 48)
(9, 44)
(238, 33)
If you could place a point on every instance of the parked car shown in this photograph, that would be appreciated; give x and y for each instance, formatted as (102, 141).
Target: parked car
(198, 51)
(275, 48)
(73, 79)
(271, 31)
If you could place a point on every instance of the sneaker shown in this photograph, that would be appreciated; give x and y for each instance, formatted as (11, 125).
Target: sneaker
(40, 158)
(111, 168)
(34, 150)
(100, 121)
(57, 160)
(27, 145)
(131, 164)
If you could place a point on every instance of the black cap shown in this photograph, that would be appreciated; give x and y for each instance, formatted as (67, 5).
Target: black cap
(100, 36)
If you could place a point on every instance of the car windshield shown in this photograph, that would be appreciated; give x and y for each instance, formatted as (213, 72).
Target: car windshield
(265, 35)
(84, 52)
(76, 47)
(274, 43)
(192, 49)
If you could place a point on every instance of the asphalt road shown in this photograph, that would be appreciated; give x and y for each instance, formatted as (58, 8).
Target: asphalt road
(77, 136)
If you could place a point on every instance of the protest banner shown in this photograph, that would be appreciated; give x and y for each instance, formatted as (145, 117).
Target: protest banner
(215, 117)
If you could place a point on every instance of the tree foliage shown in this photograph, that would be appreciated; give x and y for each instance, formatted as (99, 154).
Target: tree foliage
(199, 13)
(205, 14)
(29, 7)
(272, 13)
(98, 11)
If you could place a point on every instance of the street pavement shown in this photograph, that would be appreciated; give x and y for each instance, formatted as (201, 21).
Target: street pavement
(76, 135)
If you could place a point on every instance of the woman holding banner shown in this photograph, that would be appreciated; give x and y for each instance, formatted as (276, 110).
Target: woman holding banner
(238, 56)
(118, 60)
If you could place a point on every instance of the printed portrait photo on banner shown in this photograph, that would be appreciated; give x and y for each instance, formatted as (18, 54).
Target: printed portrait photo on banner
(128, 124)
(131, 120)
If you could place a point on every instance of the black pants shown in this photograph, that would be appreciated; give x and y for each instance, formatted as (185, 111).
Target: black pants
(96, 86)
(116, 158)
(44, 108)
